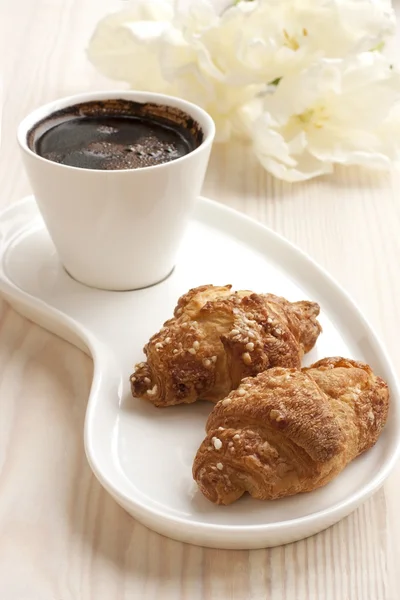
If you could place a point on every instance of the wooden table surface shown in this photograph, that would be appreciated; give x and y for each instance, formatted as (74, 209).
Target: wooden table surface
(61, 536)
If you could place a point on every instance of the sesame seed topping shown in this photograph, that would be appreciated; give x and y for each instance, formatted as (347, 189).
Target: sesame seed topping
(250, 346)
(220, 466)
(207, 362)
(194, 323)
(139, 365)
(196, 345)
(168, 340)
(209, 448)
(217, 443)
(251, 334)
(269, 320)
(236, 436)
(278, 331)
(133, 379)
(235, 311)
(232, 449)
(275, 415)
(179, 311)
(241, 392)
(246, 358)
(214, 359)
(230, 444)
(192, 351)
(153, 391)
(158, 346)
(185, 324)
(175, 351)
(235, 332)
(226, 401)
(147, 380)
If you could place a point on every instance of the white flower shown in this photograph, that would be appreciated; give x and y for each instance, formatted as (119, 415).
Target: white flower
(225, 58)
(338, 111)
(125, 44)
(256, 42)
(336, 97)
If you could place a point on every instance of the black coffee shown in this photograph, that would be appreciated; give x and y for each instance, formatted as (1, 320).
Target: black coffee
(115, 134)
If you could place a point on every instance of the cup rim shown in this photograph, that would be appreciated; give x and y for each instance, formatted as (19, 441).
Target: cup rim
(204, 119)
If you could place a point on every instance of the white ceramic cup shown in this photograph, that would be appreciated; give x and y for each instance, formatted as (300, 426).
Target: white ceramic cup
(117, 229)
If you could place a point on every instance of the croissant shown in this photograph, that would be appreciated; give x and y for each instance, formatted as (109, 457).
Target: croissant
(287, 431)
(216, 338)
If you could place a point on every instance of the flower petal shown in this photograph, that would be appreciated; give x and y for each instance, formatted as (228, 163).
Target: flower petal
(334, 112)
(124, 45)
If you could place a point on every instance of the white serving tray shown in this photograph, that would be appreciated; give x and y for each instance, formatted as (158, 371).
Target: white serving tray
(143, 455)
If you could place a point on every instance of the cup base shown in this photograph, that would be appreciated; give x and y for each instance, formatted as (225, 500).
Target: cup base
(119, 289)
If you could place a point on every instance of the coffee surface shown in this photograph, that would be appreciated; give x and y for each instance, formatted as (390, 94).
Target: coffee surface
(112, 143)
(115, 134)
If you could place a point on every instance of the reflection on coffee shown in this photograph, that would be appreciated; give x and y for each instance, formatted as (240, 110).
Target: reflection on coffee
(115, 134)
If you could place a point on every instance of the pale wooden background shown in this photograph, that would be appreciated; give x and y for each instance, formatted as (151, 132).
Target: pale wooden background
(61, 536)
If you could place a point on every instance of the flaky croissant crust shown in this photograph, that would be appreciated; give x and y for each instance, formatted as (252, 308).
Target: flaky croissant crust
(287, 431)
(216, 338)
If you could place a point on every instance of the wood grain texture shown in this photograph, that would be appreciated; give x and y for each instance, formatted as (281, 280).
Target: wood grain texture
(61, 536)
